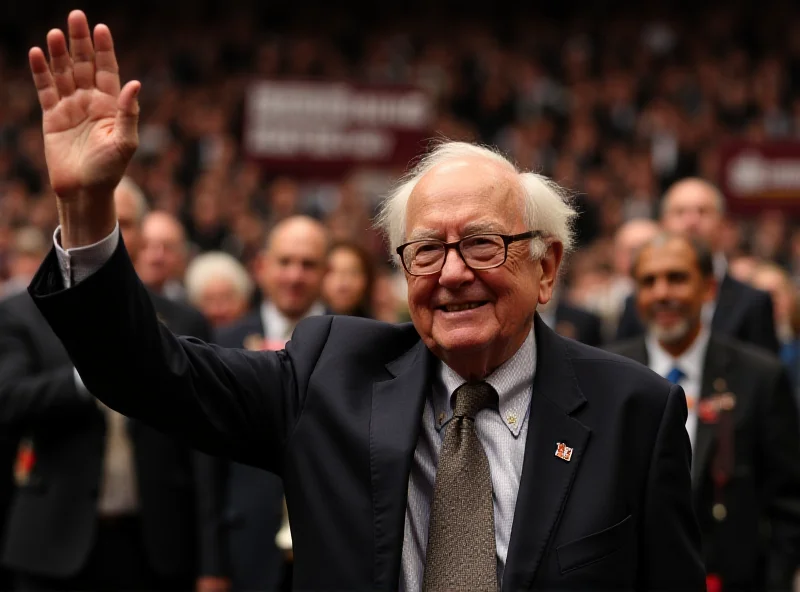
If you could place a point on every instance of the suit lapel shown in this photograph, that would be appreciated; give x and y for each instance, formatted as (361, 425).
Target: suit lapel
(546, 479)
(397, 406)
(724, 311)
(715, 367)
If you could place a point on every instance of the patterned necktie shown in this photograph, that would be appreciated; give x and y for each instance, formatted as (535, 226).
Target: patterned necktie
(675, 375)
(461, 551)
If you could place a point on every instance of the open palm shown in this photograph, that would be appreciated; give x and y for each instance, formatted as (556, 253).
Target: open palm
(89, 123)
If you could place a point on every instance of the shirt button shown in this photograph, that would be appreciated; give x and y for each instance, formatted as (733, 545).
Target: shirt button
(511, 418)
(441, 418)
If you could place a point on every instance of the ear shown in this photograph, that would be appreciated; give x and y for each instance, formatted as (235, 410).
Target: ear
(551, 262)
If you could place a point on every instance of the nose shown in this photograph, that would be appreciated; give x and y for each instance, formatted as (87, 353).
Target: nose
(660, 289)
(294, 273)
(455, 272)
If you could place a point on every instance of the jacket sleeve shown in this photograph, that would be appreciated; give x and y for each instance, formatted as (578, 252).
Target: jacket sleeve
(27, 392)
(233, 403)
(671, 555)
(779, 448)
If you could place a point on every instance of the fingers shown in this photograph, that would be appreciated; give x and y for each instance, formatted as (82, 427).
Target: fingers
(60, 63)
(81, 49)
(107, 70)
(126, 125)
(43, 79)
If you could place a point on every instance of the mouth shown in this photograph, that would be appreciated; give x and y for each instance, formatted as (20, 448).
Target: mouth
(461, 307)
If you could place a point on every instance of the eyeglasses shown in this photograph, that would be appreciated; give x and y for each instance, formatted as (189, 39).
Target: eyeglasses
(478, 251)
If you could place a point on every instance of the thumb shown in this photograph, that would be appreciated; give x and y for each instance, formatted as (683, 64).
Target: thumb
(126, 126)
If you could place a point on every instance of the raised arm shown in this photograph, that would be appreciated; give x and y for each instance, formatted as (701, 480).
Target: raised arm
(242, 405)
(89, 125)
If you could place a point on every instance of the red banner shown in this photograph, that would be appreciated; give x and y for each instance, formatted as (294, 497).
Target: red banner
(323, 129)
(757, 176)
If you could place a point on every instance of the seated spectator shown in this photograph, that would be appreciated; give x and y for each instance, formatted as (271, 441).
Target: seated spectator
(218, 285)
(347, 286)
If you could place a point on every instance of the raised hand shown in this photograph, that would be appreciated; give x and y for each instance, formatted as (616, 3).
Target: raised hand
(89, 124)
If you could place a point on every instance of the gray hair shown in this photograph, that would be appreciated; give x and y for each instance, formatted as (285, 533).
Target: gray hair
(213, 265)
(129, 185)
(547, 206)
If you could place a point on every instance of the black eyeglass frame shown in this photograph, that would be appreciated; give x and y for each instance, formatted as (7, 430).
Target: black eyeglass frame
(507, 240)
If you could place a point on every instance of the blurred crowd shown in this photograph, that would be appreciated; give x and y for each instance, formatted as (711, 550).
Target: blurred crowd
(616, 105)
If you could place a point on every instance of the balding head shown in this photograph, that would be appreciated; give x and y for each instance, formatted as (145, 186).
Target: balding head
(631, 237)
(293, 265)
(131, 207)
(165, 251)
(694, 207)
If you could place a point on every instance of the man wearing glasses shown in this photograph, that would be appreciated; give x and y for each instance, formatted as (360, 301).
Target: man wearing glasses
(473, 449)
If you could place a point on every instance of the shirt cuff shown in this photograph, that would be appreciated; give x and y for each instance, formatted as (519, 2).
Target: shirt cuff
(79, 263)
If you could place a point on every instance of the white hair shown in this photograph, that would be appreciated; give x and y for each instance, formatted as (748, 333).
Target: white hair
(129, 185)
(216, 265)
(546, 204)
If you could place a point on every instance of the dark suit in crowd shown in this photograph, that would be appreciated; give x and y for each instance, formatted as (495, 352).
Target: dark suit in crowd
(55, 537)
(579, 324)
(251, 508)
(742, 313)
(337, 415)
(746, 466)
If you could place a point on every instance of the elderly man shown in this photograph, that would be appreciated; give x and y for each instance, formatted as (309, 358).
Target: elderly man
(473, 449)
(742, 418)
(165, 251)
(696, 208)
(218, 286)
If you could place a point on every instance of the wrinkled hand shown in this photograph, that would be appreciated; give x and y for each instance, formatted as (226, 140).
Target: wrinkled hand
(212, 584)
(89, 124)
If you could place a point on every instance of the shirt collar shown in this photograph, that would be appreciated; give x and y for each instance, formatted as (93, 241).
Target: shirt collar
(690, 362)
(279, 326)
(720, 264)
(513, 382)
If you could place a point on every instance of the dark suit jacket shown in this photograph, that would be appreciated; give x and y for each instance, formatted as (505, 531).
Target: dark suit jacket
(742, 313)
(337, 415)
(52, 521)
(578, 324)
(763, 492)
(251, 499)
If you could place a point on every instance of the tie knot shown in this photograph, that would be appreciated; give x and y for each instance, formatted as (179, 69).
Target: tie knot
(471, 397)
(675, 375)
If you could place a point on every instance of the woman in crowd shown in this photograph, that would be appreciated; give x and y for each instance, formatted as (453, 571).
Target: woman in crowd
(347, 288)
(219, 286)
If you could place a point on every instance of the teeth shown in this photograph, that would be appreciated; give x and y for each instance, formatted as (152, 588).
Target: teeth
(458, 307)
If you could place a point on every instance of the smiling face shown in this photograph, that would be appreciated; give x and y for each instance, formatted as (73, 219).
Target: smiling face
(293, 265)
(475, 320)
(671, 292)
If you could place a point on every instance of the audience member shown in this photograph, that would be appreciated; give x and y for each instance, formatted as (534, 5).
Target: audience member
(27, 252)
(348, 284)
(742, 420)
(219, 287)
(164, 255)
(696, 208)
